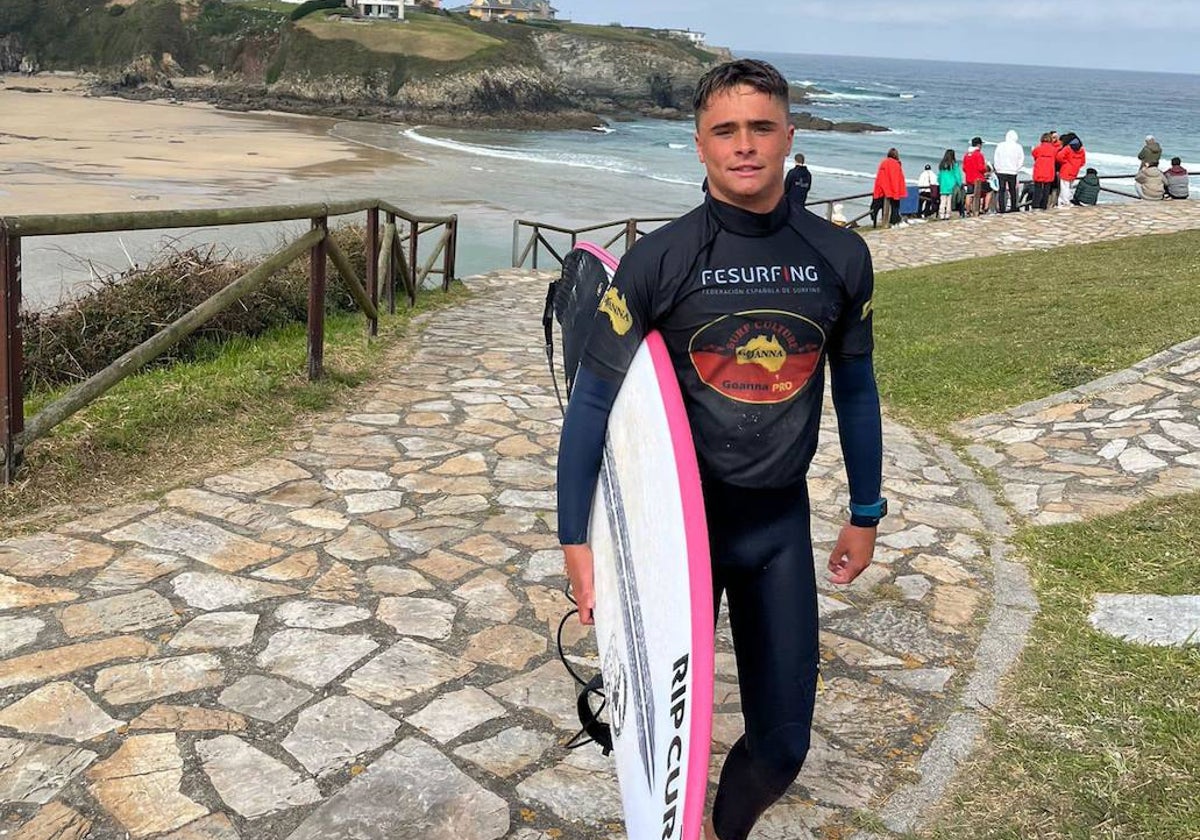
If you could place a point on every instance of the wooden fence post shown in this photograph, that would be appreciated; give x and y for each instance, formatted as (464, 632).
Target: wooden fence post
(372, 277)
(412, 260)
(887, 213)
(12, 401)
(630, 234)
(448, 256)
(390, 278)
(316, 302)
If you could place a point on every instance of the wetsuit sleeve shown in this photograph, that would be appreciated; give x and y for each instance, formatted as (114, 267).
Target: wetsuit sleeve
(580, 451)
(854, 333)
(852, 382)
(856, 400)
(624, 316)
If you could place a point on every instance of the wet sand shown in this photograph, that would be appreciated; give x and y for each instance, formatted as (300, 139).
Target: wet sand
(64, 152)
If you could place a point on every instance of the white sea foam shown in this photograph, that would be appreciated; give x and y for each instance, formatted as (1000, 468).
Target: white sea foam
(1123, 163)
(576, 161)
(677, 145)
(845, 173)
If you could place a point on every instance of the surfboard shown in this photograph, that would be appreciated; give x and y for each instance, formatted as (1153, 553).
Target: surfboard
(654, 614)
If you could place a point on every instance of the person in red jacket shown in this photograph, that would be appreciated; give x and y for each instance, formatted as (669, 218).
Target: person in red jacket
(1043, 170)
(1071, 159)
(889, 183)
(975, 174)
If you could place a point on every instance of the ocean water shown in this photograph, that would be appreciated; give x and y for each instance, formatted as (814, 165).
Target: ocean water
(649, 168)
(929, 106)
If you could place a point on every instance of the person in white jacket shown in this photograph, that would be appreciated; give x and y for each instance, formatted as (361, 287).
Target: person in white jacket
(1007, 161)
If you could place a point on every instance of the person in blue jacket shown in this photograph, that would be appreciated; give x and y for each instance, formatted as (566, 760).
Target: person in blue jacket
(746, 269)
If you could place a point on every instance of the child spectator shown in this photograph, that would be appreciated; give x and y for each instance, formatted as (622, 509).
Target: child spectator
(1087, 189)
(1043, 170)
(950, 181)
(927, 190)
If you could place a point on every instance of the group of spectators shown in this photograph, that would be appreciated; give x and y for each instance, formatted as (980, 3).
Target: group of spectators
(1152, 182)
(1060, 178)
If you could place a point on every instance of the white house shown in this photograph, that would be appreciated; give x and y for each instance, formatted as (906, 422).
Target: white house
(384, 9)
(696, 38)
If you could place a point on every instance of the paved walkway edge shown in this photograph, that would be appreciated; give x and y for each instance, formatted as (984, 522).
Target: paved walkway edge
(1013, 609)
(1127, 376)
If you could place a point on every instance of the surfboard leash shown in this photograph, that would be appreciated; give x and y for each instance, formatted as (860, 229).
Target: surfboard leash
(592, 729)
(548, 329)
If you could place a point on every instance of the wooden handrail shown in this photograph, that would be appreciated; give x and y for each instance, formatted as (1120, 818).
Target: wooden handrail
(385, 260)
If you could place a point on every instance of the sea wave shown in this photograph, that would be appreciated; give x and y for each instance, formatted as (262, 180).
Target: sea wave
(677, 145)
(845, 173)
(576, 161)
(1124, 163)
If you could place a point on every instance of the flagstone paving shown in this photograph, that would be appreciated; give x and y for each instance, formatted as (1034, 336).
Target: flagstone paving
(353, 638)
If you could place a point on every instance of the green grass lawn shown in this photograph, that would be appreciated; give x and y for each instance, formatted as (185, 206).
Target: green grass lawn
(959, 340)
(1096, 738)
(160, 427)
(428, 36)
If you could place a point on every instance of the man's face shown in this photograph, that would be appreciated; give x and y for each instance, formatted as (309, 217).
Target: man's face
(743, 139)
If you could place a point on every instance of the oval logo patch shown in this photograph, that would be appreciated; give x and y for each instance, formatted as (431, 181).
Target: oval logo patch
(760, 356)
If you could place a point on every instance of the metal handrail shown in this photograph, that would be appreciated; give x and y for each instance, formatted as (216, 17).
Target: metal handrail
(388, 263)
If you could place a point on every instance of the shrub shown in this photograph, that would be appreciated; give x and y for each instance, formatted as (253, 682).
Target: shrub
(82, 336)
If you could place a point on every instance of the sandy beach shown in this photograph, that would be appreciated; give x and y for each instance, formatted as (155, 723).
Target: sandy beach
(64, 152)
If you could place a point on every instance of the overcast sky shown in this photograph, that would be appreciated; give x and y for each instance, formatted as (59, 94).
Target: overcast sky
(1117, 34)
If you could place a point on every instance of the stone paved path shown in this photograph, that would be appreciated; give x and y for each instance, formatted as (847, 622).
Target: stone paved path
(1102, 447)
(352, 639)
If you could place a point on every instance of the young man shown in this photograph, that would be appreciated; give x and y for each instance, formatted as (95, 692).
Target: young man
(746, 269)
(1177, 179)
(798, 182)
(975, 175)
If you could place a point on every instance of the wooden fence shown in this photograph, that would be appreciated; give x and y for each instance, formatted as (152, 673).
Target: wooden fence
(386, 261)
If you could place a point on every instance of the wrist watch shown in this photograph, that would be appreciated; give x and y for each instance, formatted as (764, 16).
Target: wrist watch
(868, 516)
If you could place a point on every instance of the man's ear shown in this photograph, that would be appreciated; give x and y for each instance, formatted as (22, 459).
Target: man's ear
(699, 151)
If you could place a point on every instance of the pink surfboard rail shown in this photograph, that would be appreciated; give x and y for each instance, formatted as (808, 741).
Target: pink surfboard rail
(699, 576)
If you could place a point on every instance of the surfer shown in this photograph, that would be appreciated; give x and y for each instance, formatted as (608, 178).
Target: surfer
(750, 358)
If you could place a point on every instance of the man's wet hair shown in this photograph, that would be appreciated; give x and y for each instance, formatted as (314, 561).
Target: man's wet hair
(759, 75)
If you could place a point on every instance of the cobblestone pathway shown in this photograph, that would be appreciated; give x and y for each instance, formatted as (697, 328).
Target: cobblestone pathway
(936, 242)
(1100, 448)
(353, 639)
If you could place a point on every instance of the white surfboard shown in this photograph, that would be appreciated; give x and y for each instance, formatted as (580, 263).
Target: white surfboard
(654, 615)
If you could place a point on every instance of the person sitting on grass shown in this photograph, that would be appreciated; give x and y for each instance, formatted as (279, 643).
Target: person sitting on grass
(1150, 183)
(1177, 179)
(1087, 189)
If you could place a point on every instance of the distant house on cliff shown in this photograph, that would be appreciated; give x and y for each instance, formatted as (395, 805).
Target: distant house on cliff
(380, 9)
(696, 38)
(512, 10)
(388, 9)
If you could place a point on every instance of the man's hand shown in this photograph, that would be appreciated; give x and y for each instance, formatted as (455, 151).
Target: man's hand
(579, 572)
(853, 552)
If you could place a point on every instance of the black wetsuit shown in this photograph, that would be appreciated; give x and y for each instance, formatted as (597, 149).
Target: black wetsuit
(750, 307)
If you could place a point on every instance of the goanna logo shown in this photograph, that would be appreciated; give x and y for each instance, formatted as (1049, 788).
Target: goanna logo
(761, 356)
(762, 351)
(613, 305)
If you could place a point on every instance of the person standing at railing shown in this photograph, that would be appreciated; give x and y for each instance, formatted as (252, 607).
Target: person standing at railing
(1070, 159)
(974, 168)
(1150, 183)
(1043, 170)
(927, 191)
(1087, 189)
(1008, 160)
(1177, 179)
(950, 183)
(889, 185)
(798, 182)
